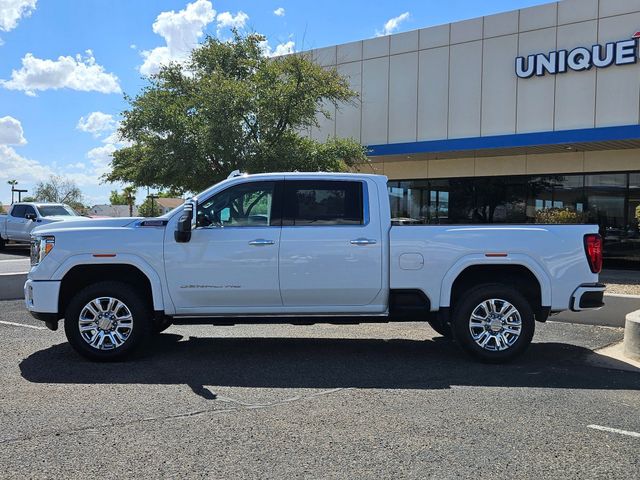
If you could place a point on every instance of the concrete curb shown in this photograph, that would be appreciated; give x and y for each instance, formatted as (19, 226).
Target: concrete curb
(11, 285)
(632, 336)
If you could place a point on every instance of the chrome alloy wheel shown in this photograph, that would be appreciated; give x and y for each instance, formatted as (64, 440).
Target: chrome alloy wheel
(105, 323)
(495, 325)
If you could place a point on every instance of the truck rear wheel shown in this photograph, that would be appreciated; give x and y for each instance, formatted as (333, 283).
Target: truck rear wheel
(107, 321)
(493, 322)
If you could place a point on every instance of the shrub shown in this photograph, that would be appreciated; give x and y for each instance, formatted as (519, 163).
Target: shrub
(560, 215)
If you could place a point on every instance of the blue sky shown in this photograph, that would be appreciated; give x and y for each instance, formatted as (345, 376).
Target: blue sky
(65, 64)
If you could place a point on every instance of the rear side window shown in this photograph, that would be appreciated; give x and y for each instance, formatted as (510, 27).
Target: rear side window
(18, 211)
(321, 203)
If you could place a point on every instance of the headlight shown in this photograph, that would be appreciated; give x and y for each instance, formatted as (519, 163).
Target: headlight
(40, 248)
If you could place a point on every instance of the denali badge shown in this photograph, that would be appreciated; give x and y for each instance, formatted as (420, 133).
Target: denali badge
(623, 52)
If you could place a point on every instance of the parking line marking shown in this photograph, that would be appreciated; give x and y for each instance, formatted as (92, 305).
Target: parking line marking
(614, 430)
(21, 325)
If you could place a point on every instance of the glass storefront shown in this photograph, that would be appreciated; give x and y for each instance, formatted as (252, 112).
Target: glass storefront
(611, 200)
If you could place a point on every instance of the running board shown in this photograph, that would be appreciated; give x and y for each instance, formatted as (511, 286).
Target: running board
(282, 320)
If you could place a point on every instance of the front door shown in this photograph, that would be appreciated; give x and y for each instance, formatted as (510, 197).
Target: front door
(330, 250)
(17, 225)
(231, 262)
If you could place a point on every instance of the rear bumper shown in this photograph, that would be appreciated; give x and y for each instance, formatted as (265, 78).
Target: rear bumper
(588, 297)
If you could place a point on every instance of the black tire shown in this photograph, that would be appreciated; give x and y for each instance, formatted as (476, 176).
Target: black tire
(441, 328)
(138, 306)
(160, 326)
(2, 243)
(471, 301)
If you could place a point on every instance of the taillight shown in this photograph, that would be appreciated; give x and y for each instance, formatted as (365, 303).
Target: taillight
(593, 249)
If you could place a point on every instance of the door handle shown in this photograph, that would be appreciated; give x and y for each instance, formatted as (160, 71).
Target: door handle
(363, 241)
(261, 242)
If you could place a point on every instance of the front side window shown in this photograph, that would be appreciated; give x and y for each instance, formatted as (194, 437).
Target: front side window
(18, 211)
(318, 203)
(244, 205)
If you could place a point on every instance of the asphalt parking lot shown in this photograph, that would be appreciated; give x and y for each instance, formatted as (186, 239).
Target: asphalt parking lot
(367, 401)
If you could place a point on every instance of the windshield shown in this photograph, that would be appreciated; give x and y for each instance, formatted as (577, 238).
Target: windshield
(56, 210)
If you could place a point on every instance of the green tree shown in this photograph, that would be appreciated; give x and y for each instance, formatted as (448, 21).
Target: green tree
(149, 208)
(60, 190)
(116, 198)
(231, 107)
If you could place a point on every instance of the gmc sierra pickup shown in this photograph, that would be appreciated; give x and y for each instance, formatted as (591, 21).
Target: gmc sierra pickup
(23, 217)
(306, 248)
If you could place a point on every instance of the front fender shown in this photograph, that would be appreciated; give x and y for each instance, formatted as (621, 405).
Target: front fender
(480, 259)
(128, 259)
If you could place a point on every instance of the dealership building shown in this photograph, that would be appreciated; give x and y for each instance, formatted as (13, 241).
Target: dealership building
(500, 118)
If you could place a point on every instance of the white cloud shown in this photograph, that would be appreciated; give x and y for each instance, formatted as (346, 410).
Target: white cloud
(393, 24)
(133, 46)
(180, 31)
(11, 11)
(279, 12)
(284, 48)
(77, 73)
(97, 123)
(100, 157)
(14, 166)
(227, 20)
(11, 132)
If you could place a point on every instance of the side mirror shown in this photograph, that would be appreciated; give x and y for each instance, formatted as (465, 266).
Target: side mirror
(30, 216)
(183, 229)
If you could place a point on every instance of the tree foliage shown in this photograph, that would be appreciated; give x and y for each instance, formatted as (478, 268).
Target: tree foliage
(230, 107)
(60, 190)
(150, 208)
(117, 198)
(560, 216)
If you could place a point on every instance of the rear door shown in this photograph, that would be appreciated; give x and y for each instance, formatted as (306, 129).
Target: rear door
(330, 249)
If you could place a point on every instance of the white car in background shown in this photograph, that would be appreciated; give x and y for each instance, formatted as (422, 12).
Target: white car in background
(23, 217)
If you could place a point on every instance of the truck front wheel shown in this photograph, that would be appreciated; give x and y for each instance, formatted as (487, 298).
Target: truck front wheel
(107, 321)
(493, 322)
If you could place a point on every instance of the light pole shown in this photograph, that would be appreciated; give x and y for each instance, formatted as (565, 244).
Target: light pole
(13, 184)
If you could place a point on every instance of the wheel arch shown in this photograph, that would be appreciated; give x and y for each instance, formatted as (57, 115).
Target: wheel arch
(79, 272)
(523, 273)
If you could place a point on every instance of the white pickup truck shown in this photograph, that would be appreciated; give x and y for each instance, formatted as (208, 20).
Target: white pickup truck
(23, 217)
(306, 248)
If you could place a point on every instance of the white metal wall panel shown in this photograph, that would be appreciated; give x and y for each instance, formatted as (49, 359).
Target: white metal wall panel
(570, 11)
(618, 7)
(499, 85)
(375, 100)
(375, 47)
(465, 83)
(348, 116)
(404, 42)
(349, 52)
(501, 24)
(576, 91)
(467, 30)
(618, 88)
(536, 94)
(403, 97)
(541, 16)
(433, 37)
(433, 97)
